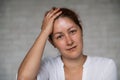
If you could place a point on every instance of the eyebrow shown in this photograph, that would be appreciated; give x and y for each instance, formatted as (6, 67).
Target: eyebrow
(71, 28)
(61, 32)
(57, 33)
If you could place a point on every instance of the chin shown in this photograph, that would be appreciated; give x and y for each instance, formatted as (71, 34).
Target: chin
(73, 56)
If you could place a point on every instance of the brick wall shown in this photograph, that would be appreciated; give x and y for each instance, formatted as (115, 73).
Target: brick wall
(20, 22)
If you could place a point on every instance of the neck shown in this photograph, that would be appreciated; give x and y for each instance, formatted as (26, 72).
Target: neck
(74, 63)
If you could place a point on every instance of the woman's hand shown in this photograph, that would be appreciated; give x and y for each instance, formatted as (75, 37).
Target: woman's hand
(30, 66)
(48, 21)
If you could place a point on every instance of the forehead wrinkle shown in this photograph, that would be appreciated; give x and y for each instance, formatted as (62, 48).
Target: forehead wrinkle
(62, 25)
(64, 21)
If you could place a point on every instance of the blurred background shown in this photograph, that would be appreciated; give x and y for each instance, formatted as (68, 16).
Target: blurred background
(20, 22)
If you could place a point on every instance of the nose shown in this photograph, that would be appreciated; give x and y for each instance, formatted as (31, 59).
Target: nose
(69, 40)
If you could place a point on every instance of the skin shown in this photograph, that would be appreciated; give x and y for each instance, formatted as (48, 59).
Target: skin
(70, 47)
(67, 38)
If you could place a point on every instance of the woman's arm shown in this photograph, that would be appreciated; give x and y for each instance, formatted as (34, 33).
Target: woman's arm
(31, 63)
(30, 66)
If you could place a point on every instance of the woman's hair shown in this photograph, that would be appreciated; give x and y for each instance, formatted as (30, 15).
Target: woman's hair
(70, 14)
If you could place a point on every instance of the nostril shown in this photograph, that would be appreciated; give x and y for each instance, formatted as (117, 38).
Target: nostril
(70, 42)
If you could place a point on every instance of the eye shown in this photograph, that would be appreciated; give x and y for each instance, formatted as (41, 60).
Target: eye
(59, 37)
(73, 31)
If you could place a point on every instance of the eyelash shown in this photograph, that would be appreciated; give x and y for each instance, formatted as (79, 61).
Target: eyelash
(73, 31)
(60, 36)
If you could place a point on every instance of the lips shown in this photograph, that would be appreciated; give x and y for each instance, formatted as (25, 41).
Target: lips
(71, 48)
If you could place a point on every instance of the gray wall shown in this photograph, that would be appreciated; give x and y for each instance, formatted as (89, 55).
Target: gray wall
(20, 22)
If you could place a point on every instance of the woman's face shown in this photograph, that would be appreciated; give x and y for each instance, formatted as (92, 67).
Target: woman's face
(67, 38)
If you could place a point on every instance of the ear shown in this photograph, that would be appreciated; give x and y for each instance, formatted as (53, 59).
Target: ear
(51, 42)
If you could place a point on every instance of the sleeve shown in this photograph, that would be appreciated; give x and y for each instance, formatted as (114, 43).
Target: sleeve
(110, 72)
(43, 72)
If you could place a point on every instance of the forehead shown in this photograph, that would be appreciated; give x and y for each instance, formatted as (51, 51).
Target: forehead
(63, 23)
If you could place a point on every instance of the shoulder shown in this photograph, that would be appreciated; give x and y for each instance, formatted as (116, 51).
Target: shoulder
(104, 67)
(100, 61)
(48, 67)
(51, 61)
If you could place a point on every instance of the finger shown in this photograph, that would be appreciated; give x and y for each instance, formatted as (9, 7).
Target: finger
(56, 15)
(48, 12)
(53, 12)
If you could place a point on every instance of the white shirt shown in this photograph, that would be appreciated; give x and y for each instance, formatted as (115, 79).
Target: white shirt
(95, 68)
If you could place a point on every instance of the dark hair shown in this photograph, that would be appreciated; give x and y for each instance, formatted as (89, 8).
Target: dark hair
(70, 14)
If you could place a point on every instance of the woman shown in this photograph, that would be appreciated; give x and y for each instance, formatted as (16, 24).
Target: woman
(63, 29)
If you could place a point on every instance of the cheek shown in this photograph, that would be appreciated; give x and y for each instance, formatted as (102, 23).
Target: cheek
(78, 39)
(59, 44)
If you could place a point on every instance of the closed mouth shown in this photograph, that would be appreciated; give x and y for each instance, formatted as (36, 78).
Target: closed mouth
(72, 48)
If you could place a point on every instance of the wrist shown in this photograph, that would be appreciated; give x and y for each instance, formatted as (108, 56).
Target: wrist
(44, 34)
